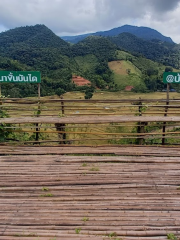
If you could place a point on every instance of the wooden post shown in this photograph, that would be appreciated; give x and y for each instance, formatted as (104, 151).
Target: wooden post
(140, 107)
(0, 101)
(165, 114)
(142, 125)
(39, 91)
(140, 128)
(62, 106)
(0, 96)
(38, 112)
(63, 125)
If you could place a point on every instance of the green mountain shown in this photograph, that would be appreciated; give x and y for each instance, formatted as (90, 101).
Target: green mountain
(34, 46)
(38, 48)
(141, 32)
(155, 50)
(101, 47)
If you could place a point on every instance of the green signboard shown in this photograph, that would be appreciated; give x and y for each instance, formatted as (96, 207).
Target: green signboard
(20, 77)
(171, 77)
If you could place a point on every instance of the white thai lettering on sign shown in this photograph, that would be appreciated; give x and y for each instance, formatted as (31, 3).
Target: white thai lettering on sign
(19, 78)
(177, 78)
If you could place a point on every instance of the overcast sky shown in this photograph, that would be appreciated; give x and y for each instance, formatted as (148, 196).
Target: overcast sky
(73, 17)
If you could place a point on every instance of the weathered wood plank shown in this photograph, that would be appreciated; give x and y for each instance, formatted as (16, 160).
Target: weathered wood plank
(120, 150)
(136, 196)
(89, 119)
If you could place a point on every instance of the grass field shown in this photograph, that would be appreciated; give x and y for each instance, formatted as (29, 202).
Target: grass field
(121, 95)
(137, 65)
(121, 67)
(121, 76)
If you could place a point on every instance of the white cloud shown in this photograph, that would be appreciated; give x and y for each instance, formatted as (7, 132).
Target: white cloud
(82, 16)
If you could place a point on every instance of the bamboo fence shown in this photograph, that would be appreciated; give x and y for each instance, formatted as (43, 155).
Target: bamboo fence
(63, 121)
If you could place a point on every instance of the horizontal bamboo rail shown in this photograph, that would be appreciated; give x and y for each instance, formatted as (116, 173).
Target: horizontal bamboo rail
(89, 120)
(98, 133)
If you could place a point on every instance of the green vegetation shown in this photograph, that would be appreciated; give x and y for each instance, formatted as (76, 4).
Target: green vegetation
(171, 236)
(94, 169)
(25, 235)
(45, 189)
(143, 74)
(37, 48)
(85, 219)
(77, 230)
(47, 195)
(89, 93)
(155, 50)
(84, 165)
(87, 63)
(5, 128)
(113, 234)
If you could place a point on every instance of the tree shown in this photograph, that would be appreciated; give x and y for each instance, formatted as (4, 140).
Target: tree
(89, 93)
(60, 91)
(168, 69)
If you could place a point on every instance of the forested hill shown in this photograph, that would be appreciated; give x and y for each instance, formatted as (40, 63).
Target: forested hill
(38, 36)
(29, 44)
(101, 47)
(140, 32)
(38, 48)
(155, 50)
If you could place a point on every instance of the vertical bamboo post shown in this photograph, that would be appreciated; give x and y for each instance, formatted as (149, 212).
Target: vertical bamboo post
(0, 100)
(62, 106)
(63, 125)
(140, 107)
(39, 91)
(0, 96)
(38, 112)
(165, 114)
(140, 124)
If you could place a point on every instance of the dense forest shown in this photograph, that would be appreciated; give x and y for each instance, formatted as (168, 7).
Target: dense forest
(154, 50)
(37, 48)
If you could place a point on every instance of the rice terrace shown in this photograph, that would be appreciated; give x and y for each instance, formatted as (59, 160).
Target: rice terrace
(105, 168)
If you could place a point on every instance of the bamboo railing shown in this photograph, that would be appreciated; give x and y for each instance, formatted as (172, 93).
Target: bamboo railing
(92, 122)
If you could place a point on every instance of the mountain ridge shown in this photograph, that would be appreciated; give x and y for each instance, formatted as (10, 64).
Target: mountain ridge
(145, 33)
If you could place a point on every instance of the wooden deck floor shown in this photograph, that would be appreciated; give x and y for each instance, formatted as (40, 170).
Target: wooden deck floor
(133, 195)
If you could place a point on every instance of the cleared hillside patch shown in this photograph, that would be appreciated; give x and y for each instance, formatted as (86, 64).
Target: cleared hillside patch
(125, 74)
(123, 67)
